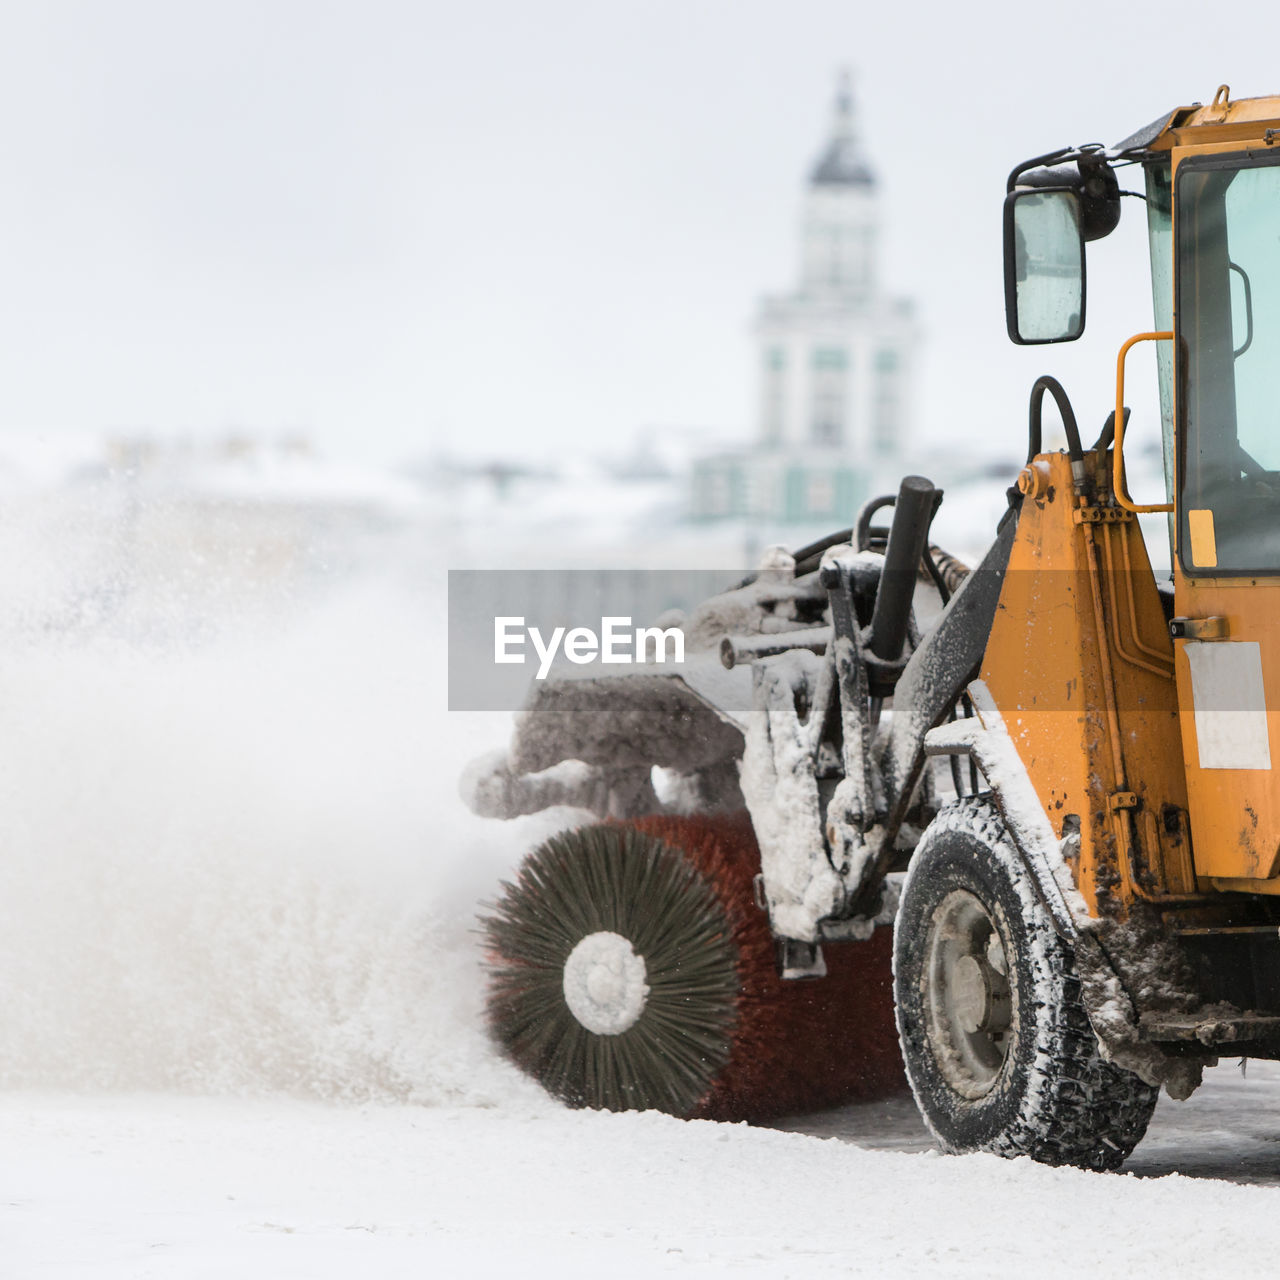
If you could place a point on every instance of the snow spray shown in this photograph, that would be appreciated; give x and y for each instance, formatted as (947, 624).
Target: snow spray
(233, 858)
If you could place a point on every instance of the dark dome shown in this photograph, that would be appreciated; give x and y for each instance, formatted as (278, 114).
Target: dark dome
(842, 166)
(841, 163)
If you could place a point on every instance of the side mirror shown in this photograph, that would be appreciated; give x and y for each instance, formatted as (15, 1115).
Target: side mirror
(1043, 265)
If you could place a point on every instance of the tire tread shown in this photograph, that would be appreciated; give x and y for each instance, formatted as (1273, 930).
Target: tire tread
(1079, 1109)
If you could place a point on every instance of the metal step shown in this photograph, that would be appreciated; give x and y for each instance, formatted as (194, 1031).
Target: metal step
(1208, 1028)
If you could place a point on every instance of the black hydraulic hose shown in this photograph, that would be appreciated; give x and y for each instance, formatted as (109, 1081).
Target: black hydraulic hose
(935, 573)
(954, 761)
(946, 576)
(808, 558)
(1034, 431)
(967, 703)
(953, 570)
(1108, 436)
(862, 530)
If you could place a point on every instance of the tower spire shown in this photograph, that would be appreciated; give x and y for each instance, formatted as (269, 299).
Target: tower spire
(844, 105)
(841, 162)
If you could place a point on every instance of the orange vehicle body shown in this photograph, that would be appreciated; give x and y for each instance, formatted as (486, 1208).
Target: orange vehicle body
(1174, 800)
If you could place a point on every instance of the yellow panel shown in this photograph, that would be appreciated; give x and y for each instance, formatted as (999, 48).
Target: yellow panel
(1204, 543)
(1235, 812)
(1044, 667)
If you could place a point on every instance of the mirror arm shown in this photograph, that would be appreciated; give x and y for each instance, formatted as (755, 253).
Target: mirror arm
(1064, 155)
(1038, 162)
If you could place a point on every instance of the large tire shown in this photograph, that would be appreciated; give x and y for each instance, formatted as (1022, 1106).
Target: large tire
(680, 1007)
(996, 1042)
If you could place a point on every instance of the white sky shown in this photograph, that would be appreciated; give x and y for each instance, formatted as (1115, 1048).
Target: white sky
(508, 227)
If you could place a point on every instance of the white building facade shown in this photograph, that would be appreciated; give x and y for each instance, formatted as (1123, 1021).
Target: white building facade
(834, 361)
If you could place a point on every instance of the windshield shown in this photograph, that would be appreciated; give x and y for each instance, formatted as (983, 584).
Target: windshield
(1228, 228)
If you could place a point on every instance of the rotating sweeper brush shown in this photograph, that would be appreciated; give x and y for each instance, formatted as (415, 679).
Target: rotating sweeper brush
(630, 969)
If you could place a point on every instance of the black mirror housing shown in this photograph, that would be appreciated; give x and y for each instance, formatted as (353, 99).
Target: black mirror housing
(1095, 184)
(1085, 174)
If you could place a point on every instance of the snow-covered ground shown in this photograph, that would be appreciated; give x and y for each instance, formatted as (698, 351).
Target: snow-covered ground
(155, 1185)
(242, 1034)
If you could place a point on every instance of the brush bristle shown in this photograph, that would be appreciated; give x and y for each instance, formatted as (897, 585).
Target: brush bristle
(721, 1035)
(616, 879)
(796, 1046)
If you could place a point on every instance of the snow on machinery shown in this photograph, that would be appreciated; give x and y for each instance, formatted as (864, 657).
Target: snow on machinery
(1059, 791)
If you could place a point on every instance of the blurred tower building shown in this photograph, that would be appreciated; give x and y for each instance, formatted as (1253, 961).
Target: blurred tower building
(834, 362)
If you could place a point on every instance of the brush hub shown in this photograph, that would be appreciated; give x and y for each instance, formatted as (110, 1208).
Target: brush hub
(604, 983)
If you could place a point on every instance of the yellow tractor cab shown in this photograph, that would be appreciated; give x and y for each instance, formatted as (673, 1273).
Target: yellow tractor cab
(1212, 188)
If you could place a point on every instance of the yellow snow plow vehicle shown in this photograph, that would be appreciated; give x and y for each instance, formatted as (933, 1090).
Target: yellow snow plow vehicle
(1058, 793)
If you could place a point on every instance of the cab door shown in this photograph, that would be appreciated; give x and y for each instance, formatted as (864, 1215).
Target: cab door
(1227, 562)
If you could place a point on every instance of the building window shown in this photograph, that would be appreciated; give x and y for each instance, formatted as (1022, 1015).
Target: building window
(717, 489)
(773, 410)
(829, 395)
(835, 256)
(828, 417)
(887, 424)
(820, 497)
(886, 432)
(774, 401)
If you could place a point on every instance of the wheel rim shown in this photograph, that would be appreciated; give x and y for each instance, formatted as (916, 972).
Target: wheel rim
(969, 994)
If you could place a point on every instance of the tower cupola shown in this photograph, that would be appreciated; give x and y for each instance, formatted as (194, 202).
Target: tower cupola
(838, 239)
(842, 163)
